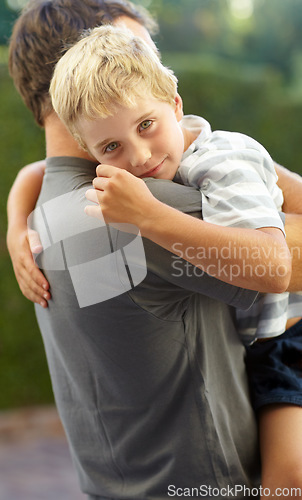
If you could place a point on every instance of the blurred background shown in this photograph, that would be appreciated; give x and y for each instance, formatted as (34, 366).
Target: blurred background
(239, 64)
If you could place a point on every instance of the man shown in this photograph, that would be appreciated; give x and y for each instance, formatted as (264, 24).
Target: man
(150, 384)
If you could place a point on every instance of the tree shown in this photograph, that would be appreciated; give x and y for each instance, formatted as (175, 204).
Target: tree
(7, 19)
(271, 35)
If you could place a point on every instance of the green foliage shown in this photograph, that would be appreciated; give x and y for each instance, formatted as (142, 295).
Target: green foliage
(243, 98)
(244, 76)
(7, 18)
(24, 378)
(270, 34)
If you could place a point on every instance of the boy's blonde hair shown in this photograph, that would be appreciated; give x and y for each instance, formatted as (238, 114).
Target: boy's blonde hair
(108, 67)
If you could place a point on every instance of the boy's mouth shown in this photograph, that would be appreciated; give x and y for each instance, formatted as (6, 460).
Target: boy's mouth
(153, 171)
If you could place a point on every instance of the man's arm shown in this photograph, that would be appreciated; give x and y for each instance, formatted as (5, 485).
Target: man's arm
(293, 228)
(21, 202)
(291, 185)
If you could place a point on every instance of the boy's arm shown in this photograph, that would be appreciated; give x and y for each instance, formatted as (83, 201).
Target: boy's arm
(265, 266)
(21, 202)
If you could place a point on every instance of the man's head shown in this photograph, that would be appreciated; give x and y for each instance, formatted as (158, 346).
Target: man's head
(45, 30)
(120, 103)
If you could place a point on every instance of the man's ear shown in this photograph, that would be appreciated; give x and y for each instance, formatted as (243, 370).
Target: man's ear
(178, 107)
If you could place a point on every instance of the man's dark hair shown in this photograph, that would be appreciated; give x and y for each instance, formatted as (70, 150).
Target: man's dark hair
(43, 33)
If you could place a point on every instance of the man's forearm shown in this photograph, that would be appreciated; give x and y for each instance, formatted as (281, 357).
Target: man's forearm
(24, 192)
(291, 185)
(293, 229)
(20, 242)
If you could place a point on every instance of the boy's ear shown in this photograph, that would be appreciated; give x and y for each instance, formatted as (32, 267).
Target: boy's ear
(178, 107)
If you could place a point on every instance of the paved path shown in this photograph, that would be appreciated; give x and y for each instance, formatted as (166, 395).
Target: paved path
(35, 463)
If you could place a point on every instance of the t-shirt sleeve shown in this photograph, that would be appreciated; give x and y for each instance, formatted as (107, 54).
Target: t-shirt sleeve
(238, 184)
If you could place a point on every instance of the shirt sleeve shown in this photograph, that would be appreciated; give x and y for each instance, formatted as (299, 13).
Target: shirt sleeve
(237, 181)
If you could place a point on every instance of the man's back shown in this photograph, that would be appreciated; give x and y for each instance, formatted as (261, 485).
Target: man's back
(150, 383)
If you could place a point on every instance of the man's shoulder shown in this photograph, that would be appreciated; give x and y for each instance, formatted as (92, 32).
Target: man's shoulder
(187, 199)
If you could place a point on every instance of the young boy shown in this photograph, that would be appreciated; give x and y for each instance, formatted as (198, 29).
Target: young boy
(122, 105)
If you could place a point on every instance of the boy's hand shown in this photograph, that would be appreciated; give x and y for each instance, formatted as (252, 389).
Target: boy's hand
(122, 197)
(21, 244)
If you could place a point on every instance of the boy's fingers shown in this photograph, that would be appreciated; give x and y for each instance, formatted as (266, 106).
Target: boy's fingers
(94, 211)
(91, 195)
(100, 183)
(95, 195)
(105, 170)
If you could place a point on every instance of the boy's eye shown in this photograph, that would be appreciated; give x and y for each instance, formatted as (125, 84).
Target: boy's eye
(145, 124)
(111, 147)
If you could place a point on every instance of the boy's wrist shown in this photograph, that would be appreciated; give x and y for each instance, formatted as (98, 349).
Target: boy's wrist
(156, 222)
(150, 222)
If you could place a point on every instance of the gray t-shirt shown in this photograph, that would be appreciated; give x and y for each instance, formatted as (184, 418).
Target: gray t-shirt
(150, 384)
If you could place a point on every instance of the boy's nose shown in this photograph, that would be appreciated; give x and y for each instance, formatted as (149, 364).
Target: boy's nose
(140, 156)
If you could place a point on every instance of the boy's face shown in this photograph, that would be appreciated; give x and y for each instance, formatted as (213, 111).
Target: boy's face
(146, 140)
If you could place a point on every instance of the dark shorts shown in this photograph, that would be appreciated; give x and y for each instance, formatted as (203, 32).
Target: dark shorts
(275, 369)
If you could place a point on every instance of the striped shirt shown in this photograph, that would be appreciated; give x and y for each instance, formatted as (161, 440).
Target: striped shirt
(238, 184)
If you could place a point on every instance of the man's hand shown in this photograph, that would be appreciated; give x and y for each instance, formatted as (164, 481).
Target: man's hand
(21, 244)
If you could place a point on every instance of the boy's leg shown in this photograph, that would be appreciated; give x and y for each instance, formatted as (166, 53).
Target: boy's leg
(275, 373)
(280, 431)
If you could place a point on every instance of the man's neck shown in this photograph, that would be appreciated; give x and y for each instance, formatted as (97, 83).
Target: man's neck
(59, 142)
